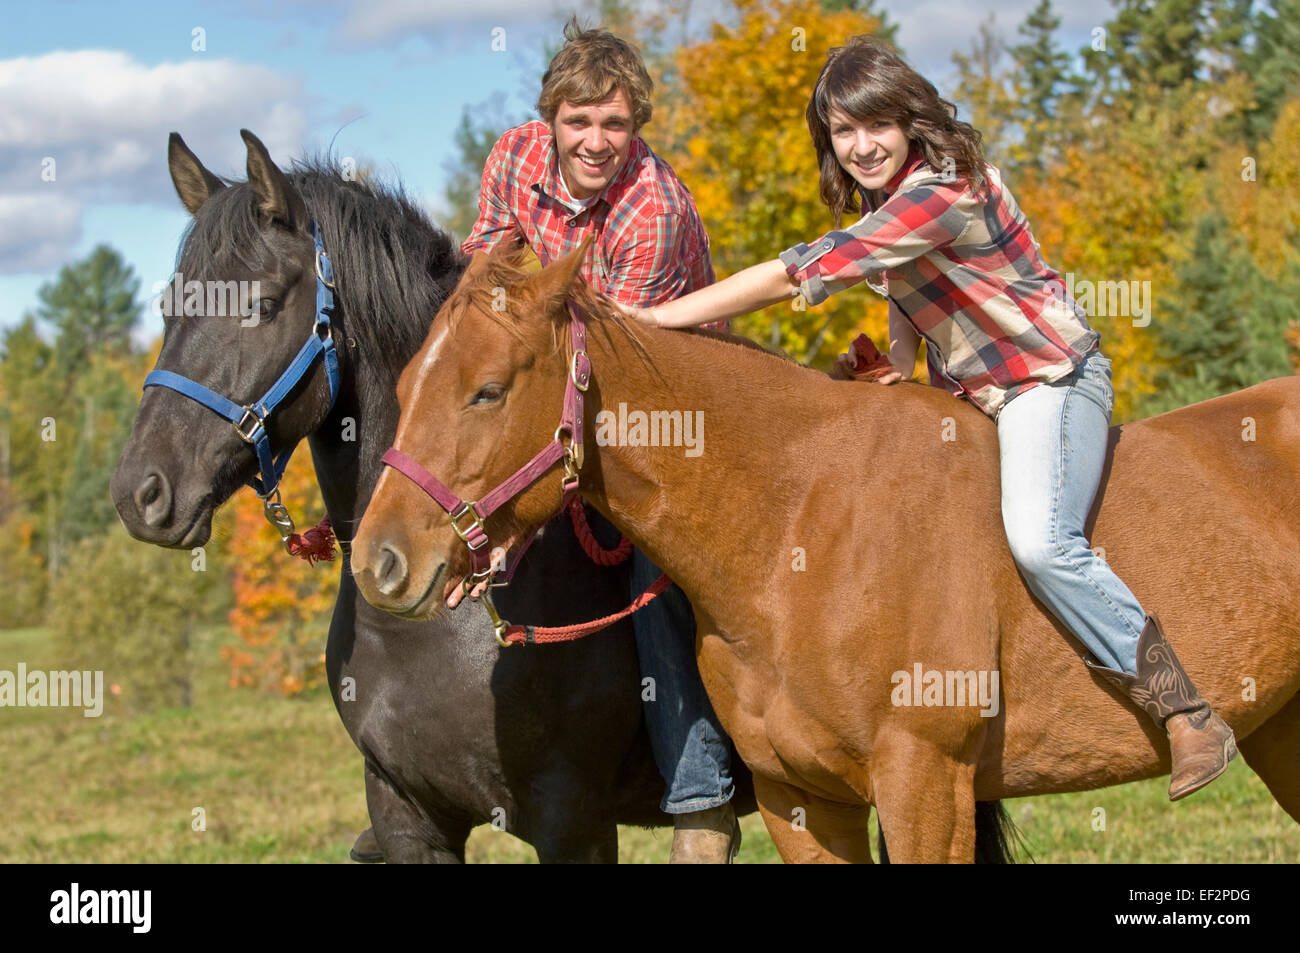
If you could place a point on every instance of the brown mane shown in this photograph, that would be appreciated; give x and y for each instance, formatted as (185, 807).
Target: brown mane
(507, 267)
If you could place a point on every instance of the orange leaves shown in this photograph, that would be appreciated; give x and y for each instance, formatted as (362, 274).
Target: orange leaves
(282, 605)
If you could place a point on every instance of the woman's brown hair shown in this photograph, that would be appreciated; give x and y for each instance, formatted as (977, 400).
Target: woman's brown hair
(867, 80)
(590, 66)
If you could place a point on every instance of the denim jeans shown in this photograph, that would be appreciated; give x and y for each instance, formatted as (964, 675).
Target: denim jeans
(1053, 441)
(691, 750)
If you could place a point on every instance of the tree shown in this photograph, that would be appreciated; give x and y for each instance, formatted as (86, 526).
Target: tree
(1225, 324)
(92, 307)
(131, 611)
(282, 605)
(739, 141)
(1274, 63)
(1041, 73)
(480, 126)
(984, 87)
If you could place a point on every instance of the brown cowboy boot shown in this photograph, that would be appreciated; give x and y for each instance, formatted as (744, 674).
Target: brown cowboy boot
(1200, 742)
(366, 849)
(705, 837)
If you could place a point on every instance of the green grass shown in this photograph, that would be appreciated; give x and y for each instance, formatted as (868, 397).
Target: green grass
(279, 781)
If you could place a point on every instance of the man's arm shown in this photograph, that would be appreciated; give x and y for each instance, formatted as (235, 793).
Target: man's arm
(495, 220)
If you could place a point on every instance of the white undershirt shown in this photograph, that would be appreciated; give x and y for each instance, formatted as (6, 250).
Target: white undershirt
(576, 204)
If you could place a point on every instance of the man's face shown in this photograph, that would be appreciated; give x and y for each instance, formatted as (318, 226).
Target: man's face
(592, 142)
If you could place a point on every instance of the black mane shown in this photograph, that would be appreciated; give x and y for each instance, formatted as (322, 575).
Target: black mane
(393, 268)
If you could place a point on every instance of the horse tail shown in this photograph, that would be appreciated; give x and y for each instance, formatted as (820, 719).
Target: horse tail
(996, 836)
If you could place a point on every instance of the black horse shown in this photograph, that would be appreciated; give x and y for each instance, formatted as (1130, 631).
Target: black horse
(546, 741)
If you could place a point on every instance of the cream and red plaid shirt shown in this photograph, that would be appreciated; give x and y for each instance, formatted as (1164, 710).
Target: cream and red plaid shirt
(996, 320)
(650, 245)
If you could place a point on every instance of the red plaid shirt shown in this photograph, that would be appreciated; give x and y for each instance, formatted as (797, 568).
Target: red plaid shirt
(996, 320)
(650, 245)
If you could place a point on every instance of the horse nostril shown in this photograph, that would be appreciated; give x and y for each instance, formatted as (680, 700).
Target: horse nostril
(154, 498)
(390, 574)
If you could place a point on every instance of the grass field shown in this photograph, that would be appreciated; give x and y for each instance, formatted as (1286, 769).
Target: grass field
(279, 781)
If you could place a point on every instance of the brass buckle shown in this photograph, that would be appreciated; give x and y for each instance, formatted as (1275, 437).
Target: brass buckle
(251, 435)
(573, 452)
(468, 507)
(499, 625)
(573, 370)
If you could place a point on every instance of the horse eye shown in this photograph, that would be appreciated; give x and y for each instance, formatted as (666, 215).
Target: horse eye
(265, 307)
(488, 393)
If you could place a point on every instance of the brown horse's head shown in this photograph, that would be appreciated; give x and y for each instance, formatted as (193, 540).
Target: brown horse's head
(481, 397)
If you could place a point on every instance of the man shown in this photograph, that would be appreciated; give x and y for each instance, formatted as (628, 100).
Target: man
(583, 170)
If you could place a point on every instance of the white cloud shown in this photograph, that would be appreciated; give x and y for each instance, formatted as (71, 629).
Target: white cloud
(103, 118)
(35, 230)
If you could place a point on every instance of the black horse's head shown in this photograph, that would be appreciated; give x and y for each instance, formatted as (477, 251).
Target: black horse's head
(240, 307)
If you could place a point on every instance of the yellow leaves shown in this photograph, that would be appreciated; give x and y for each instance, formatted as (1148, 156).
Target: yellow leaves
(734, 131)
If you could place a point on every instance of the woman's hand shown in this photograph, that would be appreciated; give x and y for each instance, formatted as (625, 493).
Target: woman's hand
(647, 316)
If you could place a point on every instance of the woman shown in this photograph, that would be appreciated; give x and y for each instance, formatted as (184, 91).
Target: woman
(942, 236)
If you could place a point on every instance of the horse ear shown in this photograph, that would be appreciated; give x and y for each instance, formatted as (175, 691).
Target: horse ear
(551, 285)
(194, 184)
(277, 200)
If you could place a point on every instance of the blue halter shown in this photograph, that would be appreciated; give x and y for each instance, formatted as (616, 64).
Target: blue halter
(249, 420)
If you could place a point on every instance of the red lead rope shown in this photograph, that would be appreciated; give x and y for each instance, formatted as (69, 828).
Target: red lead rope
(539, 635)
(590, 545)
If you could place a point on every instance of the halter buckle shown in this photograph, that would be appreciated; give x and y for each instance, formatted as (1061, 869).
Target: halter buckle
(259, 422)
(573, 453)
(468, 507)
(573, 370)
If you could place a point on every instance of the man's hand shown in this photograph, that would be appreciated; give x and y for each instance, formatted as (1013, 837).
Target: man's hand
(458, 594)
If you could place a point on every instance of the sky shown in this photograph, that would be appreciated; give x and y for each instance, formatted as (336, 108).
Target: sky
(90, 91)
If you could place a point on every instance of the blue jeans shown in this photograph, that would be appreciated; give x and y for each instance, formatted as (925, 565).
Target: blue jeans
(691, 750)
(1053, 441)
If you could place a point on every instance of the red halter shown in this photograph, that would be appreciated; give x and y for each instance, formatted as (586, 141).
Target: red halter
(467, 516)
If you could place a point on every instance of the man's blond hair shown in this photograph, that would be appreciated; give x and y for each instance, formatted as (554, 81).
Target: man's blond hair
(590, 66)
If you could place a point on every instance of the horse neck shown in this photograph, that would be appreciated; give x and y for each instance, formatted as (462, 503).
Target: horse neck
(692, 514)
(348, 469)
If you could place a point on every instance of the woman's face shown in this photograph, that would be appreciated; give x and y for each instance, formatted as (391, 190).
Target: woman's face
(872, 151)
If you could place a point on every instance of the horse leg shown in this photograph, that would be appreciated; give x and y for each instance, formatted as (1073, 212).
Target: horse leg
(926, 802)
(567, 820)
(407, 835)
(807, 829)
(1273, 752)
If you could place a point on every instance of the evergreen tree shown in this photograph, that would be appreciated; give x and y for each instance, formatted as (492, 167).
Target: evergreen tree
(1041, 72)
(92, 308)
(1224, 328)
(1274, 63)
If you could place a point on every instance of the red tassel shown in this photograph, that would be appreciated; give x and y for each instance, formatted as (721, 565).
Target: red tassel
(316, 543)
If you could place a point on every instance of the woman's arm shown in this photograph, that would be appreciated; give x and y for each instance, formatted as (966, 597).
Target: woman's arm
(903, 342)
(744, 292)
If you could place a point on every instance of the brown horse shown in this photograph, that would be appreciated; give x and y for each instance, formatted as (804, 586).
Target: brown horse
(842, 545)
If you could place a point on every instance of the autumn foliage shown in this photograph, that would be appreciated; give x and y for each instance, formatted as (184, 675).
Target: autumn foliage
(282, 604)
